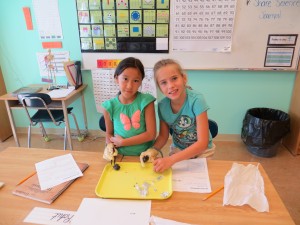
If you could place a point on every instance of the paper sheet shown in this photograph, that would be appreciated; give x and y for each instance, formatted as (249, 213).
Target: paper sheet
(48, 19)
(50, 216)
(191, 176)
(154, 220)
(57, 170)
(60, 93)
(110, 211)
(206, 26)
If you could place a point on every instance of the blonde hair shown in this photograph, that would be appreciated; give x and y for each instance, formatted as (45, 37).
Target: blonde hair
(165, 62)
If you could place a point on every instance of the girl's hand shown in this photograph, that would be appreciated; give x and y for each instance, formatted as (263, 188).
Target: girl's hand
(117, 140)
(162, 164)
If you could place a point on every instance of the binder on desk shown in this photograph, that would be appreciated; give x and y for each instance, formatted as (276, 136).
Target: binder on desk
(31, 189)
(73, 73)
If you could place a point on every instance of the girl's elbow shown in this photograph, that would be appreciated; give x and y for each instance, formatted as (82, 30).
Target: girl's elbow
(153, 135)
(202, 146)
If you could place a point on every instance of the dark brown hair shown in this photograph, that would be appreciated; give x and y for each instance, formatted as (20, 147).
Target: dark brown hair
(129, 62)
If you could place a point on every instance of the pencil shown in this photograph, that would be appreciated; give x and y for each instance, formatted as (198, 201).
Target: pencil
(213, 193)
(26, 178)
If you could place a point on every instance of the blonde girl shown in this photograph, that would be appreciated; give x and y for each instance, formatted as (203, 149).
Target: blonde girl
(185, 112)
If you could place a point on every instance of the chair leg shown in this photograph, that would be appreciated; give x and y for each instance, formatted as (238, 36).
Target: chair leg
(44, 133)
(29, 136)
(42, 129)
(75, 120)
(65, 138)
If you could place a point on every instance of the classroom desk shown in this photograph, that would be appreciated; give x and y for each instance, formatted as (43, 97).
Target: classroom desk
(16, 163)
(11, 102)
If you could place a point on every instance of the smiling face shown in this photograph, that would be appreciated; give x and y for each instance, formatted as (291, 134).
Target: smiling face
(129, 82)
(171, 82)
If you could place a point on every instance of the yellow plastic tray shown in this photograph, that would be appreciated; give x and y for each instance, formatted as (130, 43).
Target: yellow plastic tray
(129, 181)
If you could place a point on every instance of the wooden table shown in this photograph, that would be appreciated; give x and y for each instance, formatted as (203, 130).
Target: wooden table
(12, 102)
(16, 163)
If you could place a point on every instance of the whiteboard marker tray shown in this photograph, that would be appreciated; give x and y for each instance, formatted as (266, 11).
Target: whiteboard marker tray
(133, 181)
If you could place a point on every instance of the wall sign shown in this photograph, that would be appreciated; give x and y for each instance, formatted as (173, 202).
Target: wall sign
(279, 56)
(282, 39)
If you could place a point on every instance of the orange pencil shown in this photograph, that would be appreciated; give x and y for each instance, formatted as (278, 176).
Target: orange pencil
(213, 193)
(26, 178)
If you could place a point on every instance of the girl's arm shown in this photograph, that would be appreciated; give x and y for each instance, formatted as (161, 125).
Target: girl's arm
(163, 136)
(109, 127)
(197, 148)
(146, 136)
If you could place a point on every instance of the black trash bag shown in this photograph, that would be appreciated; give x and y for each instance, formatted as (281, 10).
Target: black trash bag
(262, 130)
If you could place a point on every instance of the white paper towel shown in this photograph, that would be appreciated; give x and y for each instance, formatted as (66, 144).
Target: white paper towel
(245, 185)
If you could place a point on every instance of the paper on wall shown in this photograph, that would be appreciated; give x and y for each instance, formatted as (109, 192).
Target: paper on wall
(105, 87)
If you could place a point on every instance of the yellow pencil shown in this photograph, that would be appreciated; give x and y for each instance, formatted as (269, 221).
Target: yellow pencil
(213, 193)
(26, 178)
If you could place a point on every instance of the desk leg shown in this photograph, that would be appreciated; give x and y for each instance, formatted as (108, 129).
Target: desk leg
(12, 123)
(84, 113)
(67, 125)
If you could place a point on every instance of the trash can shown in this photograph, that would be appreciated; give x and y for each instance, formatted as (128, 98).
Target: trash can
(263, 129)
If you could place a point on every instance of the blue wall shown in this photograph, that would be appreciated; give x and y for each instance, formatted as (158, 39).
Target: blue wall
(229, 93)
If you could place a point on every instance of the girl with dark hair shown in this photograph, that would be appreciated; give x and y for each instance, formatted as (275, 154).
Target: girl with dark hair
(130, 116)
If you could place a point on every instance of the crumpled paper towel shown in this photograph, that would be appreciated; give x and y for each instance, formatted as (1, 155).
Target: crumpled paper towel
(245, 185)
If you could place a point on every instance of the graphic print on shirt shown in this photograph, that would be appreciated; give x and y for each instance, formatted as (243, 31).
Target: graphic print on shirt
(185, 132)
(134, 121)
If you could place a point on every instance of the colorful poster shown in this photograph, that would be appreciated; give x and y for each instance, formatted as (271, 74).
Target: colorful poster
(123, 25)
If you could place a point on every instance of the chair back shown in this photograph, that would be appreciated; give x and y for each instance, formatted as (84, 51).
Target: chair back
(102, 123)
(213, 128)
(40, 101)
(34, 99)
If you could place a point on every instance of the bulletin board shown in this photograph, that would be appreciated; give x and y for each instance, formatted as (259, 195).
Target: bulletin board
(254, 22)
(123, 25)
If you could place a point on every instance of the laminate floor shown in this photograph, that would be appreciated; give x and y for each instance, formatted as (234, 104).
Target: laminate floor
(283, 169)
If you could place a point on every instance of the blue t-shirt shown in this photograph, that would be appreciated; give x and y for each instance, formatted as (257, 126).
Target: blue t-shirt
(183, 123)
(129, 120)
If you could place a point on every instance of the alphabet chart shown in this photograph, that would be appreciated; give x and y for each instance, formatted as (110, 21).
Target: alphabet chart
(105, 87)
(203, 25)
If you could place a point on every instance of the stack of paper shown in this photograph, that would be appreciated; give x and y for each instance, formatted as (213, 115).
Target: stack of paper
(60, 93)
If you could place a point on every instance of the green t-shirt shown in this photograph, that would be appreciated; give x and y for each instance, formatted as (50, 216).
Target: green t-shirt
(129, 120)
